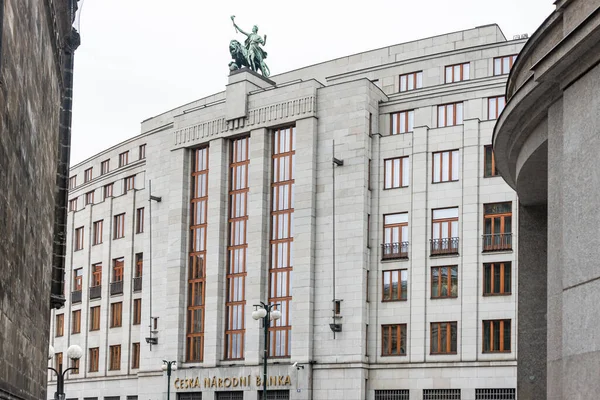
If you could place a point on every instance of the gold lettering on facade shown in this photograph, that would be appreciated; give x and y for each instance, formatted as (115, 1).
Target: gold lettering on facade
(288, 380)
(220, 382)
(177, 383)
(235, 382)
(280, 380)
(213, 383)
(272, 381)
(243, 381)
(227, 382)
(206, 382)
(258, 381)
(197, 383)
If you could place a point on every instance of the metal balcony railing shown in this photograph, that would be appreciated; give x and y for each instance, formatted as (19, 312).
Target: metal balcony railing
(393, 251)
(76, 296)
(444, 246)
(116, 287)
(137, 284)
(95, 292)
(497, 242)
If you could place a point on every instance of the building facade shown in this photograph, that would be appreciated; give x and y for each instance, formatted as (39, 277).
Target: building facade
(394, 267)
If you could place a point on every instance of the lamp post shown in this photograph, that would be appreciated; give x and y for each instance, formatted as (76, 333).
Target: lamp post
(169, 366)
(267, 313)
(74, 352)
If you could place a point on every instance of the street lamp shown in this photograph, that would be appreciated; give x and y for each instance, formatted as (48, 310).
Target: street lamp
(267, 313)
(74, 352)
(169, 366)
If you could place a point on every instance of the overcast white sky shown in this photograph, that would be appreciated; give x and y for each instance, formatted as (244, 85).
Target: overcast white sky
(139, 58)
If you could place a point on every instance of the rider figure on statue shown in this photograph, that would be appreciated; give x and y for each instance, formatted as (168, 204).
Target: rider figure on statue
(255, 54)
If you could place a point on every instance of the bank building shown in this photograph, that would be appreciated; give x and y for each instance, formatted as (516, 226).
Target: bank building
(358, 197)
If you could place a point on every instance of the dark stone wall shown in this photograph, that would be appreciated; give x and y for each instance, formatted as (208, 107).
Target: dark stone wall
(30, 99)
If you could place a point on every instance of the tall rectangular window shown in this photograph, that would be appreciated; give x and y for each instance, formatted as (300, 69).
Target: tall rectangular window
(108, 190)
(73, 182)
(197, 268)
(443, 337)
(73, 204)
(116, 314)
(450, 114)
(60, 325)
(97, 234)
(117, 272)
(444, 231)
(402, 122)
(396, 173)
(123, 159)
(139, 265)
(457, 73)
(495, 106)
(135, 355)
(395, 236)
(95, 318)
(496, 336)
(445, 166)
(395, 285)
(94, 358)
(489, 162)
(87, 175)
(411, 81)
(497, 226)
(393, 340)
(119, 226)
(235, 301)
(137, 311)
(74, 364)
(497, 278)
(282, 239)
(96, 274)
(104, 167)
(79, 238)
(129, 183)
(142, 151)
(58, 363)
(76, 321)
(502, 65)
(139, 220)
(444, 282)
(89, 198)
(115, 357)
(77, 279)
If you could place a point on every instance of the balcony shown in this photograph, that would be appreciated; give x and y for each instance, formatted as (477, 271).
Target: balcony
(394, 251)
(497, 242)
(116, 287)
(137, 284)
(76, 296)
(444, 246)
(95, 292)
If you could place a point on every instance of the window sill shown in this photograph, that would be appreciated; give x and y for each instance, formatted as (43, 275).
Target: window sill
(397, 187)
(443, 298)
(444, 255)
(492, 176)
(496, 294)
(393, 301)
(504, 251)
(443, 354)
(497, 352)
(393, 355)
(436, 183)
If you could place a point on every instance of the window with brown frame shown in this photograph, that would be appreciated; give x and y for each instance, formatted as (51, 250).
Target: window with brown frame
(96, 274)
(108, 190)
(123, 158)
(396, 173)
(497, 278)
(393, 340)
(369, 174)
(489, 169)
(119, 226)
(411, 81)
(73, 204)
(445, 166)
(495, 106)
(450, 114)
(95, 318)
(139, 265)
(76, 322)
(139, 220)
(142, 151)
(496, 336)
(117, 272)
(116, 314)
(135, 355)
(60, 325)
(235, 301)
(129, 183)
(443, 337)
(395, 285)
(77, 279)
(444, 231)
(73, 182)
(444, 282)
(87, 175)
(75, 365)
(395, 235)
(457, 72)
(402, 122)
(89, 198)
(104, 167)
(58, 361)
(503, 65)
(497, 226)
(115, 357)
(282, 240)
(97, 233)
(197, 268)
(94, 359)
(137, 311)
(79, 238)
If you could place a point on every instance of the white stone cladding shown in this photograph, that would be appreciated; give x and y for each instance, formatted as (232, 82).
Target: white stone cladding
(332, 101)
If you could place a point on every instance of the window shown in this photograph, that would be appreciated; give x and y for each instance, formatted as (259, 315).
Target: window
(104, 167)
(231, 395)
(60, 324)
(369, 175)
(392, 394)
(94, 318)
(445, 166)
(118, 264)
(444, 282)
(129, 183)
(275, 395)
(73, 204)
(75, 364)
(115, 357)
(395, 285)
(443, 338)
(441, 394)
(94, 358)
(495, 106)
(496, 336)
(73, 182)
(116, 313)
(490, 162)
(450, 114)
(135, 355)
(502, 65)
(395, 233)
(58, 361)
(396, 173)
(76, 321)
(97, 234)
(77, 279)
(496, 278)
(497, 226)
(142, 151)
(108, 190)
(139, 220)
(413, 80)
(495, 394)
(87, 175)
(393, 340)
(402, 122)
(119, 228)
(444, 231)
(79, 238)
(89, 198)
(137, 311)
(139, 265)
(96, 274)
(457, 73)
(123, 158)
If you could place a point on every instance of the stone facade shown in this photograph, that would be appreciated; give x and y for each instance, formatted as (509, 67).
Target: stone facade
(348, 101)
